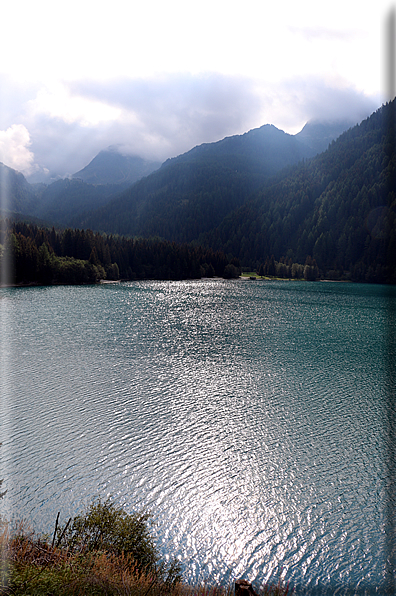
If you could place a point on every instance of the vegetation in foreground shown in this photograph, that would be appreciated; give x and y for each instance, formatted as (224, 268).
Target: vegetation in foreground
(102, 552)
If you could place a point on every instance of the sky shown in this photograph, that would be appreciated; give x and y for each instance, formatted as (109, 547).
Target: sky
(158, 77)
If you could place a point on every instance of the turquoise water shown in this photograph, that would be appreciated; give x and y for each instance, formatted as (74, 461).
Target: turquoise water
(249, 417)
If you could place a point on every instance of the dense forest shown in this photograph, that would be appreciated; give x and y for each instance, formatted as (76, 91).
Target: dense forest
(338, 208)
(192, 193)
(48, 256)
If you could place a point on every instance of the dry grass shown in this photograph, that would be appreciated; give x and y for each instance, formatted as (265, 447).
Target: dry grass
(30, 565)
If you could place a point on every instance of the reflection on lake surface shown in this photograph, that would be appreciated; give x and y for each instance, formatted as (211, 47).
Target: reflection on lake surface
(249, 417)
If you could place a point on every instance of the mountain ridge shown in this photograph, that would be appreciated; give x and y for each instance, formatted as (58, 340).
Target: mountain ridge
(110, 166)
(339, 209)
(109, 173)
(192, 192)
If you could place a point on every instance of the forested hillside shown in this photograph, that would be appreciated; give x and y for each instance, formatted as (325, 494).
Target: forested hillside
(16, 194)
(338, 208)
(192, 193)
(65, 200)
(247, 197)
(56, 203)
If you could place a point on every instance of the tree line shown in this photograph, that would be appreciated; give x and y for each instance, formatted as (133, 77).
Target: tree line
(48, 256)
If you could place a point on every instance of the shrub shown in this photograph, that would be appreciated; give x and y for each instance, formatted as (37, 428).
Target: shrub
(231, 272)
(108, 528)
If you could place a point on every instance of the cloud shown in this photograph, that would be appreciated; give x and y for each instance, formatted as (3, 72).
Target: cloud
(56, 101)
(155, 118)
(160, 117)
(175, 112)
(298, 100)
(325, 34)
(182, 111)
(14, 149)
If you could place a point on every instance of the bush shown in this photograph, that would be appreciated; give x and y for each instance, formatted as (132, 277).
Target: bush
(231, 272)
(106, 528)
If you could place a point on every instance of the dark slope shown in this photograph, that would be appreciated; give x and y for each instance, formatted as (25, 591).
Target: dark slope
(263, 150)
(57, 203)
(192, 193)
(17, 195)
(339, 208)
(65, 200)
(110, 167)
(318, 134)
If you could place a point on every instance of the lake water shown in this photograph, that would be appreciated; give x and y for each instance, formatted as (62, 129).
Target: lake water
(249, 417)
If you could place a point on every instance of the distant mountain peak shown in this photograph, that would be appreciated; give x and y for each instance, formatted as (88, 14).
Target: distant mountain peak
(112, 166)
(318, 134)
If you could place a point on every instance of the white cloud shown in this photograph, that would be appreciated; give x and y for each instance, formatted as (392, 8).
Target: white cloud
(160, 77)
(56, 101)
(179, 108)
(63, 126)
(14, 149)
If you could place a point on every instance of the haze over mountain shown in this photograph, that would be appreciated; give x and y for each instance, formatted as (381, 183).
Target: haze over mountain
(107, 175)
(17, 195)
(112, 167)
(318, 134)
(337, 208)
(191, 193)
(250, 158)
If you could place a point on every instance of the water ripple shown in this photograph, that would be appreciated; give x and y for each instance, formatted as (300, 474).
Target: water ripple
(246, 417)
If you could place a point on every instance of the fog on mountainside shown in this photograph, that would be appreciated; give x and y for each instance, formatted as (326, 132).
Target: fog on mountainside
(318, 134)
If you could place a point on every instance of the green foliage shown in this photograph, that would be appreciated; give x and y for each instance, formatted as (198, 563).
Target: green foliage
(36, 567)
(104, 552)
(108, 528)
(231, 272)
(40, 255)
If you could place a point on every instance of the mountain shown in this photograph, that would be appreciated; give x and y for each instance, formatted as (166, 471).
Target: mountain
(338, 209)
(262, 198)
(57, 203)
(258, 198)
(111, 167)
(186, 197)
(64, 200)
(16, 194)
(106, 176)
(318, 134)
(192, 193)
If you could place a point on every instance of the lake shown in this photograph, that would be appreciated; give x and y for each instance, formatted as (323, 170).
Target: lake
(249, 417)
